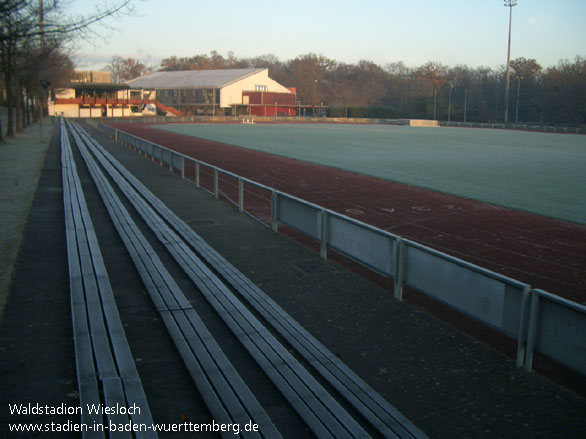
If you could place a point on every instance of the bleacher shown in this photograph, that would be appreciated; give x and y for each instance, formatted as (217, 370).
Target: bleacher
(331, 399)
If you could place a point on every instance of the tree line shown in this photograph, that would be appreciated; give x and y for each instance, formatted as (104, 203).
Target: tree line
(552, 95)
(34, 59)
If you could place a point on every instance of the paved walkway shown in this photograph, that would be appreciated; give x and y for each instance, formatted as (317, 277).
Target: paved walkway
(445, 382)
(21, 159)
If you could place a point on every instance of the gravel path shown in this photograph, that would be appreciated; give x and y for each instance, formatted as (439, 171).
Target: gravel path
(21, 158)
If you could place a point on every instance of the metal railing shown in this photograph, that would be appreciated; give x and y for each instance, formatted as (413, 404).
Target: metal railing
(537, 320)
(516, 126)
(442, 123)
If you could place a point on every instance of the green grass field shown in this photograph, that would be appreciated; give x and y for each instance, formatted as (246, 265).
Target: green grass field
(536, 172)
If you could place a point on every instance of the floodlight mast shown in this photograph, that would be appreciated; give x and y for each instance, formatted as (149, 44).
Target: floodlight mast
(509, 4)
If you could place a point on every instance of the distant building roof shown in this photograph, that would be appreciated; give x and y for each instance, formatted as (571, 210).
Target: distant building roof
(191, 78)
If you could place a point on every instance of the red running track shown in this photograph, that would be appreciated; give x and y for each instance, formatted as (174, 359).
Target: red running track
(546, 253)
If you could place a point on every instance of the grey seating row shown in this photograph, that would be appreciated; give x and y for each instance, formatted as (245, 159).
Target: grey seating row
(226, 395)
(106, 371)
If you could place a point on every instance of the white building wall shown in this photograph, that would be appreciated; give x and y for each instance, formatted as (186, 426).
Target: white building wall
(85, 112)
(72, 110)
(119, 111)
(232, 93)
(65, 110)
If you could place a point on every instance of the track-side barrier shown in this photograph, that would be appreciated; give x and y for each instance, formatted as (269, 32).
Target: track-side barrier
(557, 329)
(495, 300)
(516, 126)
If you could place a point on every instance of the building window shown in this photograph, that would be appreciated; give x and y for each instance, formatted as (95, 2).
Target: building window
(261, 88)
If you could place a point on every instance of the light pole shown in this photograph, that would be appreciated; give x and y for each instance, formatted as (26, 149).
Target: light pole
(213, 103)
(434, 102)
(314, 95)
(465, 102)
(41, 97)
(509, 4)
(450, 102)
(517, 106)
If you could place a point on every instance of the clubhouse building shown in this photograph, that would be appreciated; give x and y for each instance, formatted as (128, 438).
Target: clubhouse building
(191, 92)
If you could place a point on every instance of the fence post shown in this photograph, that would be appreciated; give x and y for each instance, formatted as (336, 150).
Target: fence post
(532, 331)
(240, 195)
(196, 173)
(522, 339)
(216, 185)
(182, 168)
(274, 211)
(323, 251)
(399, 269)
(171, 154)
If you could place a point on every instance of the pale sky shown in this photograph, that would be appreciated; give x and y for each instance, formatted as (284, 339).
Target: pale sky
(470, 32)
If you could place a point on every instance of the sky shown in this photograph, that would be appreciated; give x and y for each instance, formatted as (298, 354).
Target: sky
(469, 32)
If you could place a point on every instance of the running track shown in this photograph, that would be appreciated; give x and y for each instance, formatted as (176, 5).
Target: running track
(546, 253)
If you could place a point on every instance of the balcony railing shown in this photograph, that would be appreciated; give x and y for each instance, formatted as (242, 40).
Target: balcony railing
(91, 101)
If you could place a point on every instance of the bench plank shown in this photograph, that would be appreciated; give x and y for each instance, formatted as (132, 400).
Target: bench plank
(114, 396)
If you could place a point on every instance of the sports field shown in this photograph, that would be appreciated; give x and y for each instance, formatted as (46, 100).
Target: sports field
(541, 173)
(535, 172)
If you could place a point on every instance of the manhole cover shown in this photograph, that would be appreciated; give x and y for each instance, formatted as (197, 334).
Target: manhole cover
(313, 267)
(202, 222)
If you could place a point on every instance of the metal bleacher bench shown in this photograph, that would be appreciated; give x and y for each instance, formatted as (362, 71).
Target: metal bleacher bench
(104, 363)
(224, 392)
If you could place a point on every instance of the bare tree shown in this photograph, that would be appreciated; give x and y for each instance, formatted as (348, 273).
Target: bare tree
(564, 89)
(307, 72)
(525, 70)
(432, 76)
(125, 69)
(115, 68)
(131, 68)
(33, 30)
